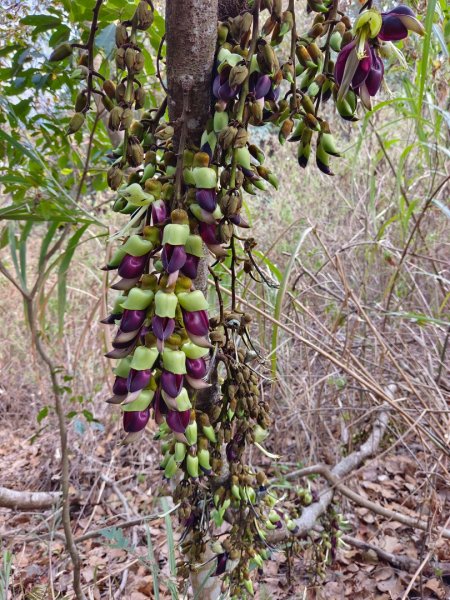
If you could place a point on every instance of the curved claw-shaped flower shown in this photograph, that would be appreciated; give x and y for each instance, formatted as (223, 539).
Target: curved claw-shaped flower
(138, 380)
(134, 422)
(162, 328)
(351, 68)
(373, 80)
(132, 267)
(173, 258)
(132, 320)
(397, 22)
(178, 420)
(160, 212)
(190, 267)
(171, 383)
(207, 199)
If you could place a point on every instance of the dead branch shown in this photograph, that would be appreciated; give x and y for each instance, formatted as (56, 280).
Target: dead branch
(398, 561)
(27, 500)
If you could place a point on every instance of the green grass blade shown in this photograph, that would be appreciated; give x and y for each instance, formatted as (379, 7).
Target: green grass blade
(153, 564)
(171, 550)
(423, 71)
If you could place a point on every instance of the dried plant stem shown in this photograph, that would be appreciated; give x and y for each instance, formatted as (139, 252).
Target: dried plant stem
(27, 500)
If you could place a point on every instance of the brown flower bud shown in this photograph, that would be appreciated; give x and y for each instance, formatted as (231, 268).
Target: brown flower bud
(122, 37)
(114, 177)
(143, 17)
(238, 75)
(109, 88)
(139, 97)
(61, 52)
(241, 138)
(115, 117)
(120, 92)
(135, 152)
(126, 119)
(120, 58)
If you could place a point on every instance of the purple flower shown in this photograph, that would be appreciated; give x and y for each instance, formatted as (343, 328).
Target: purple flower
(221, 87)
(120, 386)
(132, 320)
(163, 327)
(350, 70)
(132, 266)
(178, 421)
(260, 85)
(396, 24)
(196, 322)
(160, 212)
(138, 380)
(207, 199)
(135, 421)
(196, 367)
(190, 267)
(173, 258)
(171, 383)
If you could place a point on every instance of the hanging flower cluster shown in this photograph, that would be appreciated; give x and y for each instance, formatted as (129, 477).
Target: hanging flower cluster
(359, 66)
(197, 375)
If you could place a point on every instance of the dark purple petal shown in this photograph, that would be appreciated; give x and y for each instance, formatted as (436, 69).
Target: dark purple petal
(121, 352)
(208, 233)
(160, 212)
(132, 319)
(117, 343)
(132, 266)
(375, 76)
(125, 284)
(111, 319)
(159, 406)
(178, 421)
(273, 94)
(190, 267)
(362, 70)
(392, 29)
(120, 386)
(135, 421)
(216, 86)
(207, 199)
(138, 380)
(196, 322)
(231, 451)
(196, 367)
(163, 327)
(263, 86)
(239, 221)
(226, 92)
(173, 257)
(401, 9)
(171, 383)
(221, 564)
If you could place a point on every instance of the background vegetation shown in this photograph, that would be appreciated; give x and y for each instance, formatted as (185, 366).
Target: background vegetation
(361, 264)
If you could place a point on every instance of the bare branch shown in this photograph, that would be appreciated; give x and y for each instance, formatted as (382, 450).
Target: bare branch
(24, 500)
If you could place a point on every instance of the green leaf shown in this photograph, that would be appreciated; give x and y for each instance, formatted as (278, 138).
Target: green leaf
(42, 414)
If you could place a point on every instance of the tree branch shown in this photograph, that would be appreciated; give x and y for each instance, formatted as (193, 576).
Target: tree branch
(27, 500)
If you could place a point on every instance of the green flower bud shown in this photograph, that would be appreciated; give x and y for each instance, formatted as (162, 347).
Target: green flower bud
(182, 401)
(174, 361)
(191, 350)
(243, 157)
(76, 123)
(144, 358)
(141, 403)
(149, 172)
(192, 465)
(138, 299)
(175, 234)
(191, 433)
(180, 452)
(194, 245)
(123, 368)
(115, 117)
(115, 261)
(171, 467)
(203, 459)
(204, 177)
(165, 304)
(193, 301)
(136, 195)
(136, 245)
(220, 121)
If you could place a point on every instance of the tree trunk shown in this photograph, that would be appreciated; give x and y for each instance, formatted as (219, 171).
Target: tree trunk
(191, 34)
